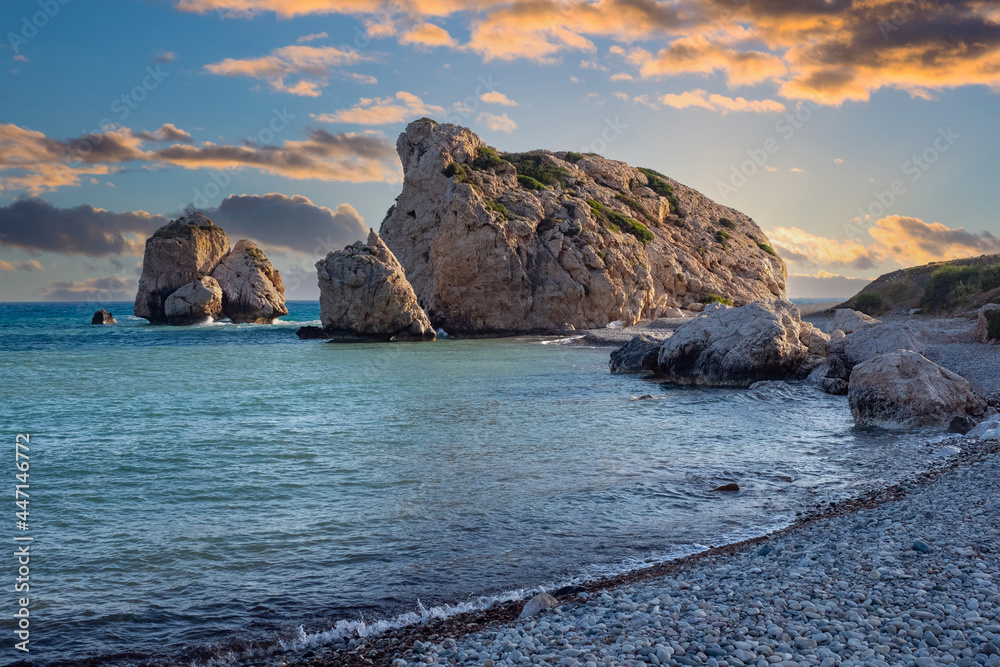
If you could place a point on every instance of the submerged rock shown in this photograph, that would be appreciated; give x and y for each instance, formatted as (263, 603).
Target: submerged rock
(903, 389)
(364, 294)
(252, 291)
(179, 253)
(736, 347)
(312, 333)
(196, 302)
(102, 317)
(524, 242)
(732, 486)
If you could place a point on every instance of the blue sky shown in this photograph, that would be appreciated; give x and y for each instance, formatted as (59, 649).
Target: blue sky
(806, 117)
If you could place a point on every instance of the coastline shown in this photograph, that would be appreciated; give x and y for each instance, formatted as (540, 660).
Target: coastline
(502, 618)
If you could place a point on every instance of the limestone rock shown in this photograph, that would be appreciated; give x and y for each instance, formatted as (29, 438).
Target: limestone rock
(673, 313)
(102, 317)
(871, 341)
(364, 293)
(903, 389)
(849, 321)
(252, 291)
(639, 355)
(696, 307)
(198, 301)
(735, 347)
(988, 323)
(539, 603)
(524, 242)
(986, 430)
(178, 253)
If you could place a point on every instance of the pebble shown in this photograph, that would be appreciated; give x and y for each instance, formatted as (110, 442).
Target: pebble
(850, 590)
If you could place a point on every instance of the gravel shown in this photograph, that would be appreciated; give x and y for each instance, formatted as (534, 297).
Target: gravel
(913, 581)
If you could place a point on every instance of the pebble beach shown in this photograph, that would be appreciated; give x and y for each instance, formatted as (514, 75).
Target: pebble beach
(906, 576)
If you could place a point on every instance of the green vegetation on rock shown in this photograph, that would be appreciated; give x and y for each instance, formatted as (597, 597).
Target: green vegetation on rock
(620, 221)
(712, 297)
(726, 222)
(177, 229)
(573, 158)
(538, 166)
(499, 208)
(487, 158)
(766, 248)
(528, 183)
(953, 285)
(659, 185)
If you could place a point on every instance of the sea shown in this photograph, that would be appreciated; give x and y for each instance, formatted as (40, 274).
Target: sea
(207, 494)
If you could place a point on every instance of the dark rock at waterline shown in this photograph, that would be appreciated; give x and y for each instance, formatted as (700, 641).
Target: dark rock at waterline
(961, 424)
(732, 486)
(639, 355)
(312, 333)
(568, 590)
(102, 317)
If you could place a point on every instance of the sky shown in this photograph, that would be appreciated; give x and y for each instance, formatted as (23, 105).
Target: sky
(861, 135)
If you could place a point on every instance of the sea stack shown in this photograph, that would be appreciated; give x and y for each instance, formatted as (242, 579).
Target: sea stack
(102, 317)
(193, 253)
(498, 242)
(364, 295)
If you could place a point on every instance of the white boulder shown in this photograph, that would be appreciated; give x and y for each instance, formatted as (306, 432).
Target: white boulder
(196, 302)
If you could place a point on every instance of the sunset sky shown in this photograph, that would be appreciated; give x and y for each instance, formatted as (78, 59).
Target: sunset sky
(860, 135)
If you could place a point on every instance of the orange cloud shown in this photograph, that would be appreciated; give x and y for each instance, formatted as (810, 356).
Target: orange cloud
(382, 111)
(501, 123)
(496, 97)
(428, 35)
(312, 65)
(714, 102)
(30, 265)
(688, 55)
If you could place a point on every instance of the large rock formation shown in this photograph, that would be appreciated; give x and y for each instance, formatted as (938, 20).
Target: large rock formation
(639, 355)
(198, 301)
(178, 253)
(193, 247)
(867, 340)
(363, 293)
(516, 242)
(903, 389)
(252, 291)
(988, 323)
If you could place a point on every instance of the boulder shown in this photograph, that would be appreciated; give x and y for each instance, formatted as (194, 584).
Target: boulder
(102, 317)
(312, 333)
(849, 321)
(871, 341)
(988, 429)
(673, 313)
(903, 389)
(735, 347)
(639, 355)
(179, 253)
(524, 242)
(196, 302)
(364, 294)
(539, 603)
(988, 323)
(832, 375)
(696, 307)
(252, 291)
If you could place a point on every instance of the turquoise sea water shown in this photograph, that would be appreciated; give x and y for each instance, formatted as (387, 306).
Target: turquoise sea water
(199, 491)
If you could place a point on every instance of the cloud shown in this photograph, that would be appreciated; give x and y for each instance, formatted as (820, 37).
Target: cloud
(92, 289)
(838, 161)
(29, 265)
(427, 35)
(622, 76)
(715, 102)
(828, 51)
(312, 66)
(796, 170)
(37, 226)
(896, 240)
(382, 110)
(823, 285)
(501, 123)
(33, 163)
(289, 222)
(496, 97)
(164, 57)
(311, 38)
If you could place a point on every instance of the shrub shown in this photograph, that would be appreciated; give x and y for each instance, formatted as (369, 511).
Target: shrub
(620, 222)
(487, 158)
(603, 254)
(766, 248)
(456, 171)
(722, 237)
(538, 166)
(869, 303)
(572, 157)
(528, 183)
(425, 119)
(500, 209)
(712, 297)
(255, 254)
(660, 186)
(182, 230)
(630, 201)
(951, 285)
(726, 222)
(992, 324)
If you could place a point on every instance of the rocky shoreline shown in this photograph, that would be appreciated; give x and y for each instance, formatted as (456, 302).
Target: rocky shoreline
(903, 575)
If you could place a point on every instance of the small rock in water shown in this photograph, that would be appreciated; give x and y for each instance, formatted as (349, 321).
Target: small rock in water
(539, 603)
(102, 317)
(732, 486)
(920, 547)
(312, 333)
(646, 397)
